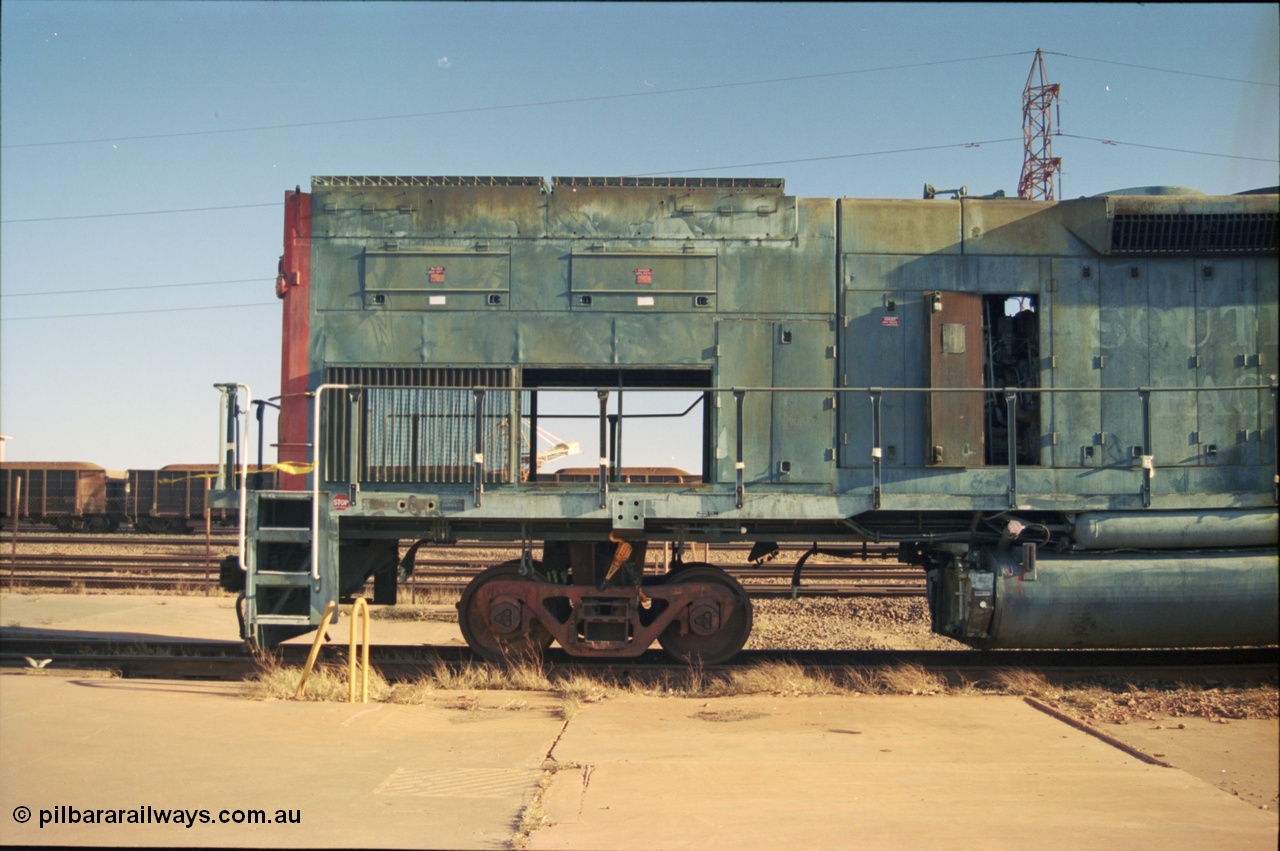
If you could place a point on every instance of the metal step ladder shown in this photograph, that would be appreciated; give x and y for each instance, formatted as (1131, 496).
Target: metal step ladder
(279, 587)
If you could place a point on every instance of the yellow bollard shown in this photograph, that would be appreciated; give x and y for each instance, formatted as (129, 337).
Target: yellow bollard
(315, 648)
(359, 610)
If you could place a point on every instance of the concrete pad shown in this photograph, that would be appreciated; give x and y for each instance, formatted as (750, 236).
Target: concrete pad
(353, 775)
(629, 772)
(870, 772)
(168, 618)
(1240, 757)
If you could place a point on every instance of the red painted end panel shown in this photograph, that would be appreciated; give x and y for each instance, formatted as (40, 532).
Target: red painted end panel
(293, 286)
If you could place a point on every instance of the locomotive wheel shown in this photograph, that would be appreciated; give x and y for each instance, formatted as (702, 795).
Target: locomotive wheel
(727, 639)
(480, 633)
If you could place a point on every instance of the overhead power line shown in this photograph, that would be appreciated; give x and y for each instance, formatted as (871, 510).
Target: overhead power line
(832, 157)
(1164, 70)
(523, 105)
(1174, 150)
(143, 287)
(137, 213)
(616, 96)
(692, 170)
(132, 312)
(645, 174)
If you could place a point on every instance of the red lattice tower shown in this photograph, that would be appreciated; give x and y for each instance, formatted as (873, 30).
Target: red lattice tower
(1038, 162)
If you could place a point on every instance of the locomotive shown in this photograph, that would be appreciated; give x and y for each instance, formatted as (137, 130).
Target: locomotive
(1063, 412)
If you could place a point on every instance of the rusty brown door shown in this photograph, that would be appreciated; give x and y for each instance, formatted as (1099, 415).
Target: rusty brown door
(955, 361)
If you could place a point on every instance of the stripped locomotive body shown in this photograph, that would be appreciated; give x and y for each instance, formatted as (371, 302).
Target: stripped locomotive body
(1063, 412)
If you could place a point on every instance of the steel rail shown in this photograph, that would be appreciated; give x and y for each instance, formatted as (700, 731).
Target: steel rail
(185, 582)
(431, 568)
(227, 541)
(231, 660)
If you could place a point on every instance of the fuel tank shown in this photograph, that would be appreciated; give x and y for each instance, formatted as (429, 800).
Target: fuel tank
(1021, 598)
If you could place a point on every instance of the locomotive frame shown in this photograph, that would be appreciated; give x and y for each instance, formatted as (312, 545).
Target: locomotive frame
(1060, 410)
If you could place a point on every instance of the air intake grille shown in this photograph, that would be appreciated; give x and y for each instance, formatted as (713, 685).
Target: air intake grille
(1193, 233)
(417, 424)
(361, 181)
(673, 182)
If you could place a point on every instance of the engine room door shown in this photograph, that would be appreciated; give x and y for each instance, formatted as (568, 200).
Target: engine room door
(955, 360)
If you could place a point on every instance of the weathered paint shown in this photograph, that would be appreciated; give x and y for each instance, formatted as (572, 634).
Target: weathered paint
(293, 287)
(801, 307)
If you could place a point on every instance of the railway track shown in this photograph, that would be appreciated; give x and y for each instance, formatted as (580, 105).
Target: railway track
(188, 563)
(229, 660)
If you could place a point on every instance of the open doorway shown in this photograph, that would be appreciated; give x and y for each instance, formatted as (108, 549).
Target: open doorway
(1011, 360)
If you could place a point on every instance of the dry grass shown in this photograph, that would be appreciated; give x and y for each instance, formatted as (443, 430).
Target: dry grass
(326, 683)
(1110, 702)
(775, 678)
(534, 817)
(1023, 684)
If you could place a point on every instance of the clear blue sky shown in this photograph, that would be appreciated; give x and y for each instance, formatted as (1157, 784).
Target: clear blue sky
(113, 330)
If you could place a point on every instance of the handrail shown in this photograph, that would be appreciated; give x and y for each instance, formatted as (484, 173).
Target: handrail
(876, 396)
(329, 609)
(317, 470)
(230, 392)
(359, 612)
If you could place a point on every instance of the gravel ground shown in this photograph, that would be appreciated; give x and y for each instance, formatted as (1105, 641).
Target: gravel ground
(857, 623)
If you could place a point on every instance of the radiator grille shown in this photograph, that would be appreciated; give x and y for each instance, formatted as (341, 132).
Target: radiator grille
(418, 424)
(1193, 233)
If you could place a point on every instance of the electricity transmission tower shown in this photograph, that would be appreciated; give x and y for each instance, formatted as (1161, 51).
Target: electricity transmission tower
(1039, 100)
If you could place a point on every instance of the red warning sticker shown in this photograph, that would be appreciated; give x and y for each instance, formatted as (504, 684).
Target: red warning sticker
(644, 276)
(435, 275)
(889, 321)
